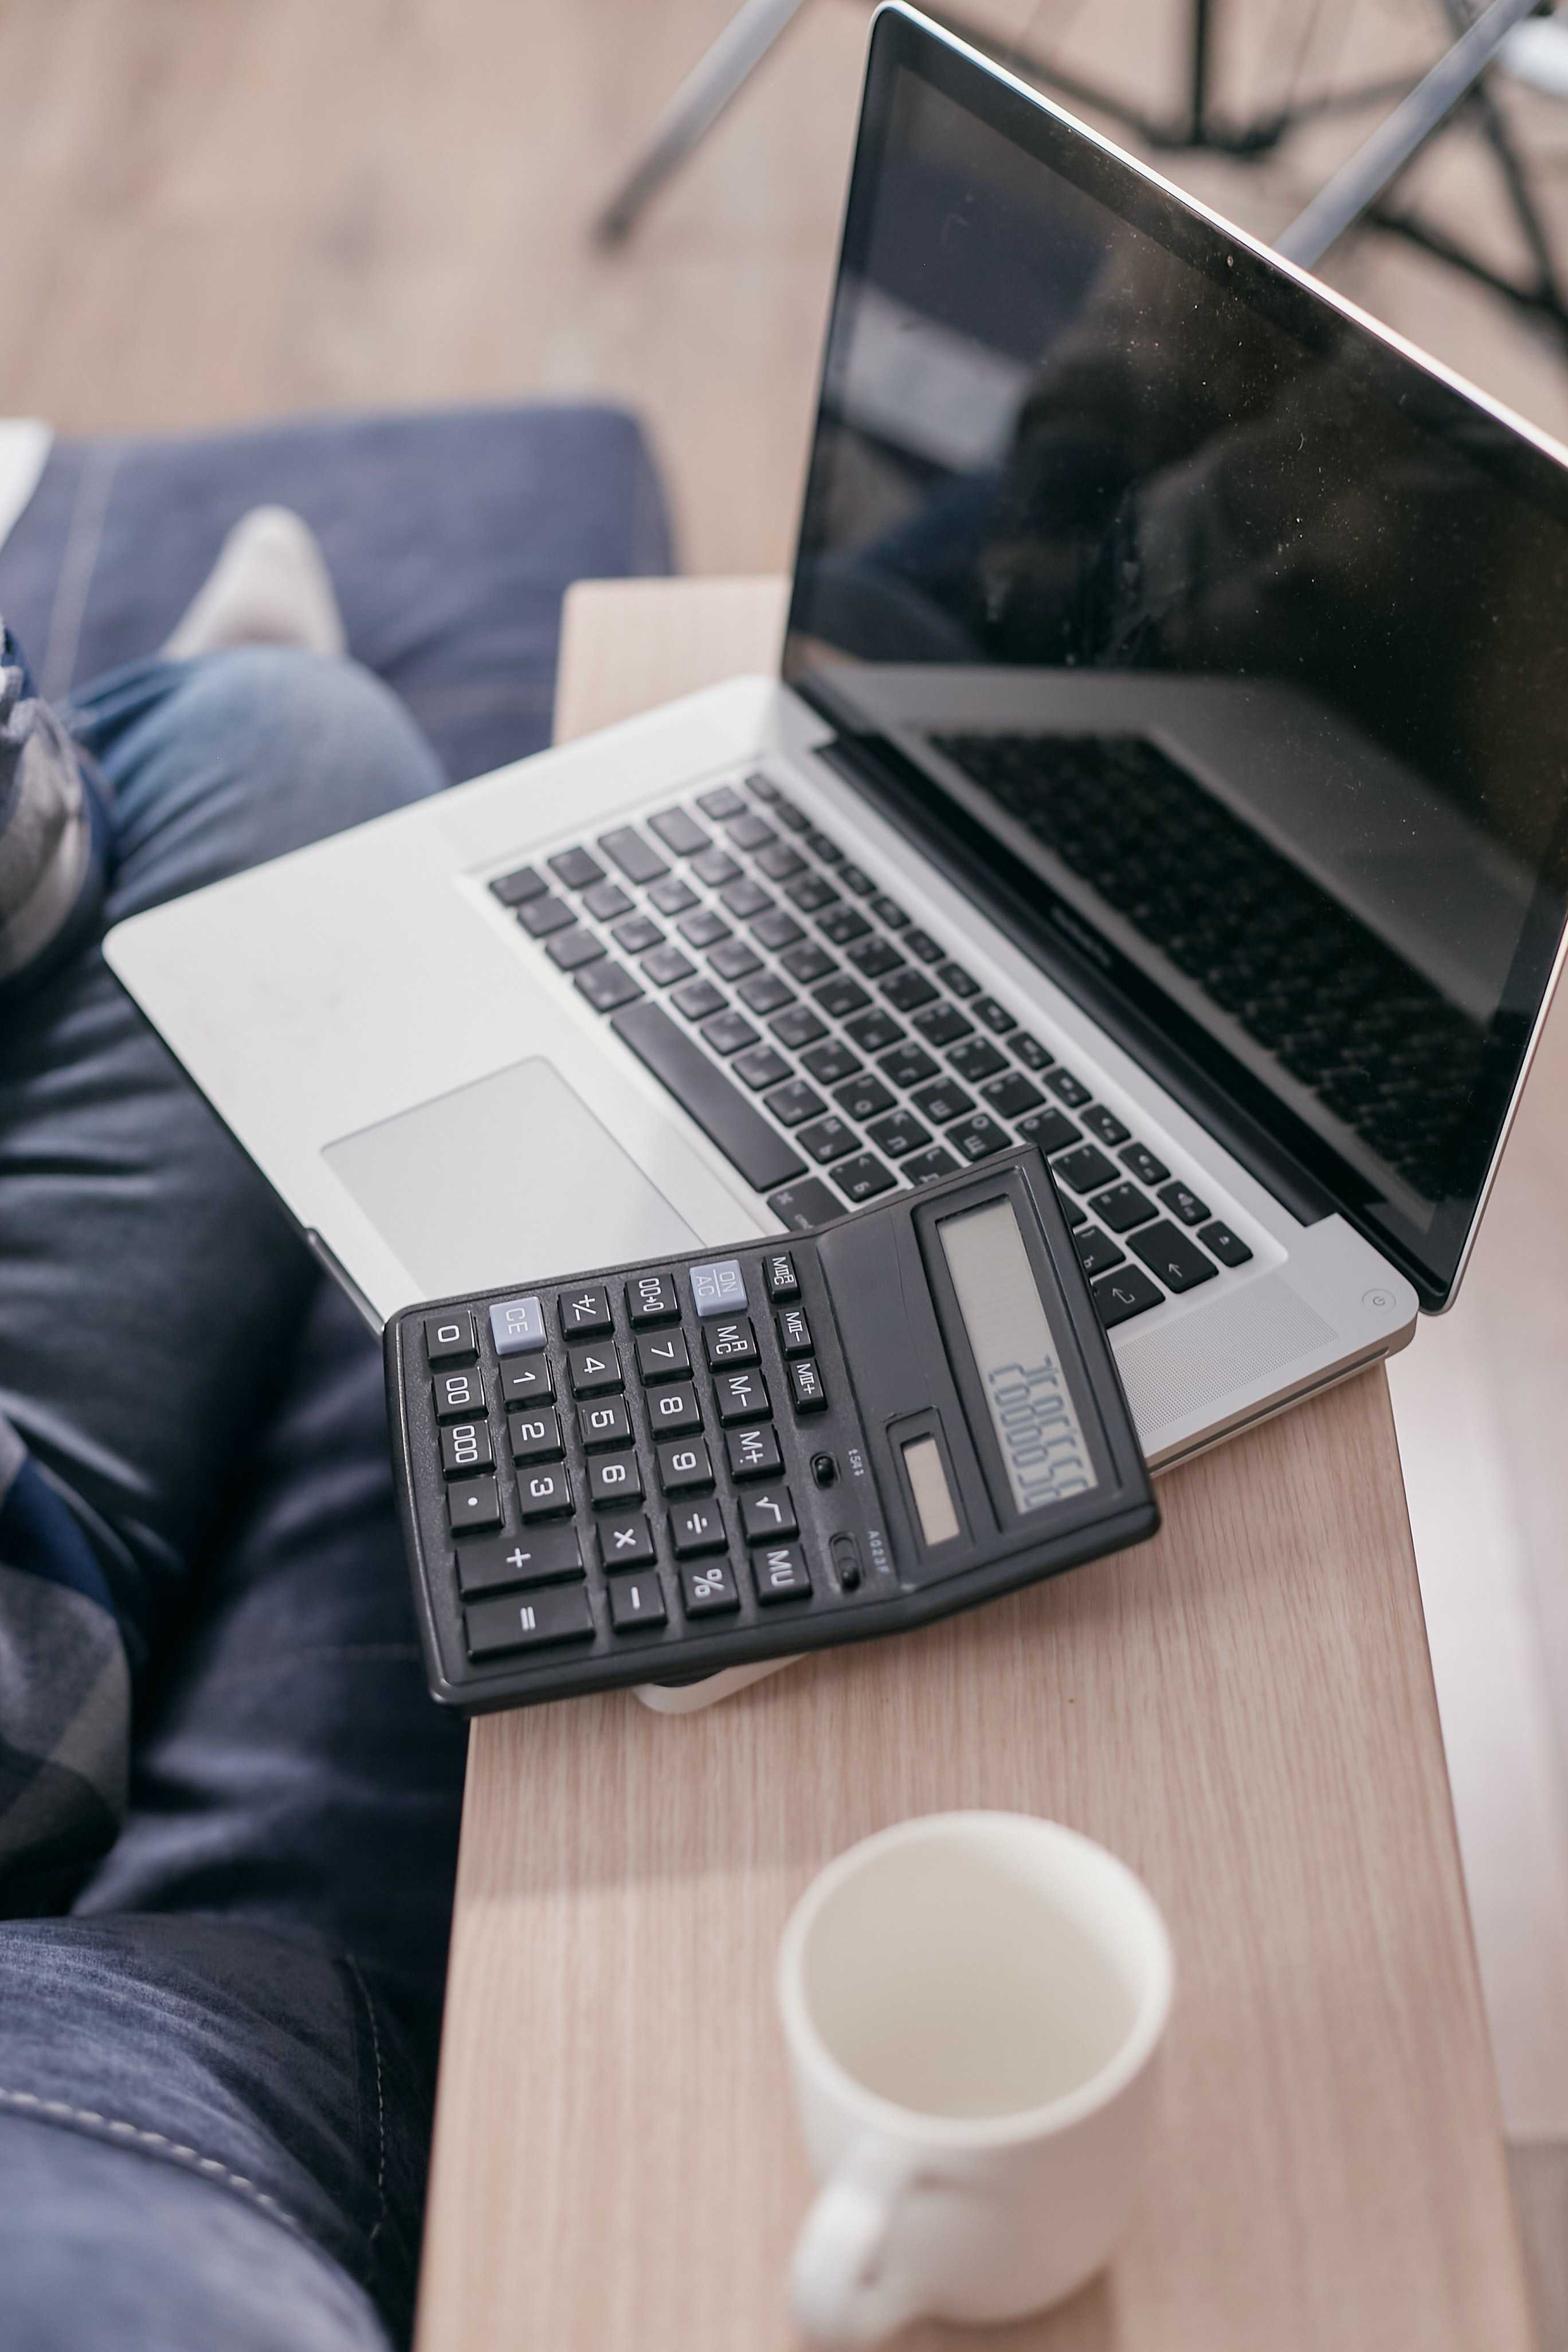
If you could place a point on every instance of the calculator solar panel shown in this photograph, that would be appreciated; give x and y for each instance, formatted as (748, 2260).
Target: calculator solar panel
(653, 1473)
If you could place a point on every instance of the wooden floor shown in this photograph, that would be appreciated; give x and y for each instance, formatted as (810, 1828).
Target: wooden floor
(224, 209)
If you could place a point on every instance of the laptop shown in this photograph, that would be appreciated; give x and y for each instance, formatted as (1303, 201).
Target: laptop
(1168, 764)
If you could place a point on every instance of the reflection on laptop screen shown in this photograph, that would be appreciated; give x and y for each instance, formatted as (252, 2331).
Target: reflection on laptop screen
(1234, 642)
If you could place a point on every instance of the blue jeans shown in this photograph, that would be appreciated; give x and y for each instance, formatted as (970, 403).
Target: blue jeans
(217, 2072)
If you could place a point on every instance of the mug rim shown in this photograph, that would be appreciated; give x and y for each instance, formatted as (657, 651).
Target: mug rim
(973, 2132)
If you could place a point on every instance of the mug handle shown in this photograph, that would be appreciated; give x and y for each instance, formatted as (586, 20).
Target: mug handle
(845, 2232)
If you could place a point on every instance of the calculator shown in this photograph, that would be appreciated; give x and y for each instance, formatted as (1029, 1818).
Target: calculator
(656, 1472)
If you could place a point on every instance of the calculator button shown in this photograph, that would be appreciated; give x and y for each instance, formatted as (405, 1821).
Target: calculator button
(805, 1382)
(709, 1592)
(536, 1436)
(449, 1338)
(638, 1600)
(719, 1287)
(673, 1411)
(1124, 1294)
(733, 1341)
(533, 1623)
(473, 1503)
(528, 1380)
(593, 1368)
(613, 1479)
(768, 1514)
(752, 1452)
(651, 1299)
(782, 1278)
(584, 1313)
(626, 1542)
(543, 1493)
(780, 1572)
(741, 1396)
(457, 1393)
(539, 1556)
(795, 1332)
(683, 1463)
(664, 1358)
(603, 1424)
(466, 1448)
(697, 1528)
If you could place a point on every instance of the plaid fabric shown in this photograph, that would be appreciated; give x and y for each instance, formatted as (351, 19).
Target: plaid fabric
(51, 833)
(65, 1694)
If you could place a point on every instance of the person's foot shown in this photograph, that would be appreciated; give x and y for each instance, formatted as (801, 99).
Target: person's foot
(270, 586)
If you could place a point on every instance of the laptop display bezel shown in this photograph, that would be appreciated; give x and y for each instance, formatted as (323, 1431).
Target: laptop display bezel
(1297, 1162)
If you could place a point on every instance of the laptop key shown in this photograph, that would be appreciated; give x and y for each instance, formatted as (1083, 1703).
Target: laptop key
(841, 923)
(745, 899)
(1050, 1130)
(637, 859)
(576, 869)
(761, 1066)
(898, 1134)
(823, 845)
(740, 1132)
(540, 917)
(764, 993)
(733, 958)
(1123, 1207)
(1228, 1247)
(996, 1017)
(722, 803)
(808, 964)
(808, 891)
(679, 831)
(944, 1101)
(864, 1097)
(1168, 1251)
(716, 867)
(703, 928)
(1030, 1051)
(829, 1139)
(698, 998)
(939, 1024)
(841, 996)
(1105, 1126)
(570, 950)
(1086, 1170)
(831, 1062)
(749, 831)
(1013, 1095)
(794, 1101)
(908, 1066)
(802, 1207)
(927, 1166)
(606, 985)
(780, 862)
(1097, 1251)
(665, 965)
(975, 1058)
(526, 882)
(777, 930)
(1068, 1089)
(920, 944)
(874, 1032)
(961, 982)
(606, 902)
(888, 911)
(1185, 1204)
(727, 1033)
(861, 1179)
(636, 935)
(874, 957)
(906, 990)
(1120, 1297)
(856, 878)
(797, 1026)
(1143, 1164)
(672, 895)
(978, 1138)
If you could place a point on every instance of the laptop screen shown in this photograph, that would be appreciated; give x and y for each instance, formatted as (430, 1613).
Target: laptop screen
(1223, 646)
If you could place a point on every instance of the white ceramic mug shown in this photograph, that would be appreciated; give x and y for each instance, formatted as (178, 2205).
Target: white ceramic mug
(973, 2003)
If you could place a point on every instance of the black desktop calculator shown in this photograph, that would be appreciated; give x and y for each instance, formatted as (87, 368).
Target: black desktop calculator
(652, 1472)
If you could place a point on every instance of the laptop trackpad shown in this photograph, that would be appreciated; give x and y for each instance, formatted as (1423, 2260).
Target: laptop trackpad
(506, 1180)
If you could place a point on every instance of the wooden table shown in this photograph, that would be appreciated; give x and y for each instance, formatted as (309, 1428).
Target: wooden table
(1242, 1709)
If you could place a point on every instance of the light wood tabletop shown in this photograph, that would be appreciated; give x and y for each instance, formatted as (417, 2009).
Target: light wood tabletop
(1242, 1709)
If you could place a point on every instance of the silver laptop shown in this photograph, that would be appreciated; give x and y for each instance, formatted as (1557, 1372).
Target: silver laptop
(1166, 765)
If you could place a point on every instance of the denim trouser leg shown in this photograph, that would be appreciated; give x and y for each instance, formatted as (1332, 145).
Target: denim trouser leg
(215, 2078)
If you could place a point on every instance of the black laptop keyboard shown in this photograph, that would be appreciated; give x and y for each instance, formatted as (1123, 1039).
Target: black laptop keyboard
(832, 1048)
(1374, 1041)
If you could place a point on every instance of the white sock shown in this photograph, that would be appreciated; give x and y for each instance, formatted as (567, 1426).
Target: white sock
(270, 586)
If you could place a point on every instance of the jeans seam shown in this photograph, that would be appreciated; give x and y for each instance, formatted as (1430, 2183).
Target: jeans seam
(363, 1990)
(119, 2133)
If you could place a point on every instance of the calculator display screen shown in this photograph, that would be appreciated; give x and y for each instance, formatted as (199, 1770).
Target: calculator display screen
(1020, 1366)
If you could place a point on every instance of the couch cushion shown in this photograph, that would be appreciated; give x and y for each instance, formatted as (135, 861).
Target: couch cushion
(451, 537)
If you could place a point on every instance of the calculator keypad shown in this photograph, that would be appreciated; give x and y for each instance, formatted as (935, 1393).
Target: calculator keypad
(623, 1460)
